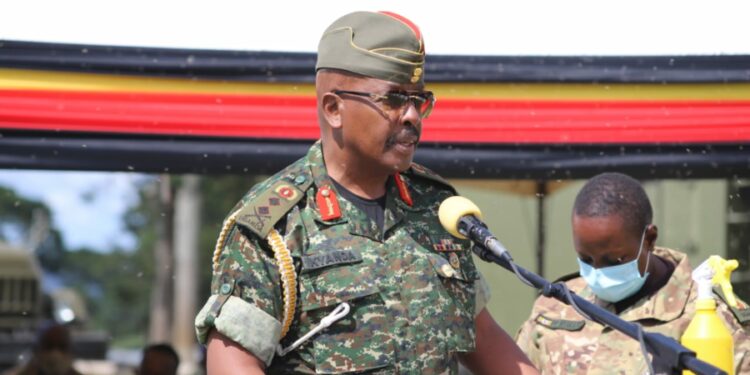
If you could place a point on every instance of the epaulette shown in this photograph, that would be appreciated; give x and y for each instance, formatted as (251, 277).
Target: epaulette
(741, 311)
(267, 205)
(262, 212)
(423, 172)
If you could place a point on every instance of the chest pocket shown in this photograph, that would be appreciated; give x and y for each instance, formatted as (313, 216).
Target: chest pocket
(452, 270)
(458, 297)
(452, 262)
(359, 341)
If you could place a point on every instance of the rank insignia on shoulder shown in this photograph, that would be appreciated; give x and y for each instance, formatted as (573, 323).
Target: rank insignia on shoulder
(741, 311)
(567, 325)
(447, 244)
(286, 191)
(256, 219)
(264, 210)
(743, 315)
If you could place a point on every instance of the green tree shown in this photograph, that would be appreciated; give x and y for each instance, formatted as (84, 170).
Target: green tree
(118, 284)
(25, 223)
(114, 284)
(17, 211)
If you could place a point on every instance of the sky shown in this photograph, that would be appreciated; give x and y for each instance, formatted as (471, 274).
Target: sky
(87, 207)
(477, 27)
(499, 27)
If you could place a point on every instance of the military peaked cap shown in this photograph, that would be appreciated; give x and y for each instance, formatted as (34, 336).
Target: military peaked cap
(381, 45)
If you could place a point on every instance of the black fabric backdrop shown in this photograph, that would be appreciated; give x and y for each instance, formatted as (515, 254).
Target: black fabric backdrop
(79, 151)
(34, 150)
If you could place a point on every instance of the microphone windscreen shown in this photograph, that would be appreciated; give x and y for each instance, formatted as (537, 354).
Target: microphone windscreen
(453, 209)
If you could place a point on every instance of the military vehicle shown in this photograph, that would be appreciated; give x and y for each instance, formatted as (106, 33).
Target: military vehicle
(20, 302)
(24, 306)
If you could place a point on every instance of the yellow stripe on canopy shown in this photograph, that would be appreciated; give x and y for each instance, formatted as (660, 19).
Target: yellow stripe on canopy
(69, 81)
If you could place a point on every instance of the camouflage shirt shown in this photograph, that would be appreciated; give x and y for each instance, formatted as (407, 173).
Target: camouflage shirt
(412, 287)
(559, 341)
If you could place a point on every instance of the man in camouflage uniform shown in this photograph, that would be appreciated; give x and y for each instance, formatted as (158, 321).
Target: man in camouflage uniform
(610, 214)
(349, 235)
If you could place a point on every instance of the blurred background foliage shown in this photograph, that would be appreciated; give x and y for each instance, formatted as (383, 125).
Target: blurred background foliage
(116, 284)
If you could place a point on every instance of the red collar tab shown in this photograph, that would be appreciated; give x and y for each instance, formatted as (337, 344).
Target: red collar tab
(328, 203)
(403, 190)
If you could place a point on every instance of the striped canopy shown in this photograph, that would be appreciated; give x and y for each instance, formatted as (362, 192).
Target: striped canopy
(154, 110)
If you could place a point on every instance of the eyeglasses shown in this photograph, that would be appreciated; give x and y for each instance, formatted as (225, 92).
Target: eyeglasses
(423, 101)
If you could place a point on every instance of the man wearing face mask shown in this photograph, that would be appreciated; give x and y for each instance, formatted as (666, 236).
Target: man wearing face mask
(620, 269)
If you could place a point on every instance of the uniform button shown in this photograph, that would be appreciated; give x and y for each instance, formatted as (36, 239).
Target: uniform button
(299, 179)
(225, 288)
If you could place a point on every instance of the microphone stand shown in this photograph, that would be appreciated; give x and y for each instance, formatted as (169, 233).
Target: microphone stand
(668, 355)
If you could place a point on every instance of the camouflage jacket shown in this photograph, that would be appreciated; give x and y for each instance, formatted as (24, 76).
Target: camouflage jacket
(413, 288)
(559, 341)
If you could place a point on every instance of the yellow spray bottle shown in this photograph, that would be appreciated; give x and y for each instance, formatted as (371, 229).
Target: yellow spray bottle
(707, 335)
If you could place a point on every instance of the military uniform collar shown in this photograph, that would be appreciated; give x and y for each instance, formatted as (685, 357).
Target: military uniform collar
(665, 305)
(668, 303)
(324, 191)
(348, 213)
(317, 165)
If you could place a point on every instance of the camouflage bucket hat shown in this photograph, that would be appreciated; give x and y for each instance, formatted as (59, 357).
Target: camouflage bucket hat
(381, 45)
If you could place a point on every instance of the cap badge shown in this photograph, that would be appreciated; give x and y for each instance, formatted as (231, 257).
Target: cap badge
(416, 75)
(286, 192)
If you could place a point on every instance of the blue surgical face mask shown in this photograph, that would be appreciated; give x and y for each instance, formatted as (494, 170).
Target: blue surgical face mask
(615, 283)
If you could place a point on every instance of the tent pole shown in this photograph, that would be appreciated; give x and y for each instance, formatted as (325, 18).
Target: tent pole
(541, 192)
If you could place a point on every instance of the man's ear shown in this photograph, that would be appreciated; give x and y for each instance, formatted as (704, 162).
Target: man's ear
(332, 107)
(652, 233)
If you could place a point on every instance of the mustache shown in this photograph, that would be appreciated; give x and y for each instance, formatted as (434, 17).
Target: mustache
(408, 133)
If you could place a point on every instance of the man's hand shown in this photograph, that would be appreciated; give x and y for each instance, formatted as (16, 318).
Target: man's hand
(225, 356)
(496, 352)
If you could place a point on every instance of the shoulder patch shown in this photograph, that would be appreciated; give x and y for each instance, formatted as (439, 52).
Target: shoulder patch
(567, 325)
(421, 171)
(741, 311)
(268, 207)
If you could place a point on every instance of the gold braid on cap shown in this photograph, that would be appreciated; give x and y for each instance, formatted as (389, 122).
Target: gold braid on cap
(283, 260)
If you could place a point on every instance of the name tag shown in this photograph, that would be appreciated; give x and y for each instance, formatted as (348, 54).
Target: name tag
(317, 261)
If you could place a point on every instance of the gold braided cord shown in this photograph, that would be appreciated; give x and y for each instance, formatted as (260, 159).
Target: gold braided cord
(283, 259)
(288, 278)
(228, 223)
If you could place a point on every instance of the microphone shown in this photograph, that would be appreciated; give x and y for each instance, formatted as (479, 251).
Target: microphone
(462, 218)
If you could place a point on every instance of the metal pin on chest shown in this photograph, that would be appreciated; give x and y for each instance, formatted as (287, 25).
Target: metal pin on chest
(339, 312)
